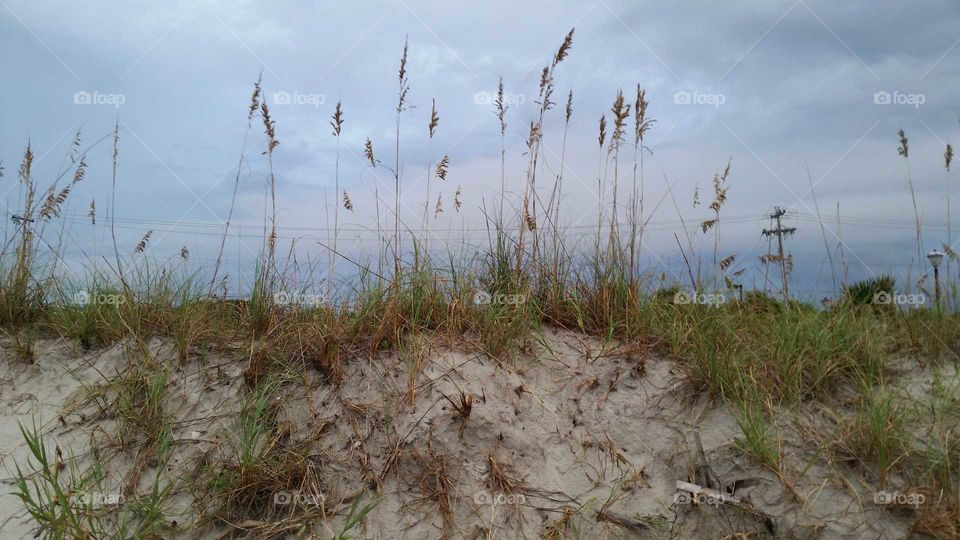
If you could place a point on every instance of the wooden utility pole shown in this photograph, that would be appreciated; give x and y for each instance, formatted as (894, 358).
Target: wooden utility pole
(779, 232)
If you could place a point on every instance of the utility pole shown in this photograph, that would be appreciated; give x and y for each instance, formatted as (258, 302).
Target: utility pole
(779, 232)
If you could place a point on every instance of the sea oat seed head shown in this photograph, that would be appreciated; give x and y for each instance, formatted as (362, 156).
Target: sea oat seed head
(442, 167)
(531, 223)
(621, 111)
(368, 151)
(255, 100)
(81, 171)
(142, 245)
(564, 49)
(534, 134)
(402, 77)
(26, 165)
(603, 130)
(727, 261)
(641, 123)
(337, 122)
(269, 127)
(434, 119)
(501, 108)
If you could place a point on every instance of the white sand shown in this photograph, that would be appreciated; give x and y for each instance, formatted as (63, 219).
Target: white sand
(575, 430)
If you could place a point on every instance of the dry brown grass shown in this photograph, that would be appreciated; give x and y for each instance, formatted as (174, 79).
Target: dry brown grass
(940, 521)
(436, 484)
(502, 477)
(558, 528)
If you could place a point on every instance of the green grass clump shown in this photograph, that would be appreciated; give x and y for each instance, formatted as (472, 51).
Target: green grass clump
(788, 354)
(879, 429)
(66, 501)
(759, 440)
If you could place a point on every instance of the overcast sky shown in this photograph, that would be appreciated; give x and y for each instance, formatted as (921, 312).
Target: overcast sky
(774, 86)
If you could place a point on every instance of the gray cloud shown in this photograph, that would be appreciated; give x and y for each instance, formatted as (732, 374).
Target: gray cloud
(797, 79)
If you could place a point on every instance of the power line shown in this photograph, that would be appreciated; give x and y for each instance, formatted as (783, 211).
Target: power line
(145, 223)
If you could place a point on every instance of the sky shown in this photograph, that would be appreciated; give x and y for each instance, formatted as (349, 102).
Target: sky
(792, 94)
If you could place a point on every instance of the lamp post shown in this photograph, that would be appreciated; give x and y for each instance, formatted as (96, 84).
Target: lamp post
(935, 257)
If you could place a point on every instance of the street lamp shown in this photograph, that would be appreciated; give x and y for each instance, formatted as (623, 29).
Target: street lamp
(935, 257)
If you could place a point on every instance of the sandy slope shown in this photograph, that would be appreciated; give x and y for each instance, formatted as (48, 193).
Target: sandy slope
(575, 425)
